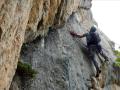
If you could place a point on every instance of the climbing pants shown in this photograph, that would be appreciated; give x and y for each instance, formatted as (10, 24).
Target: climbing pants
(92, 51)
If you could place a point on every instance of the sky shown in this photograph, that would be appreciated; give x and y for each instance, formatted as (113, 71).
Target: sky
(107, 15)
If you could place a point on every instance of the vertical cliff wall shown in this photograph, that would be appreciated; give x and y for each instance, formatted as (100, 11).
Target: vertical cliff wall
(14, 15)
(63, 63)
(60, 59)
(33, 17)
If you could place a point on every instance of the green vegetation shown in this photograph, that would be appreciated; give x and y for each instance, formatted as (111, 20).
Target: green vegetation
(25, 70)
(117, 53)
(117, 61)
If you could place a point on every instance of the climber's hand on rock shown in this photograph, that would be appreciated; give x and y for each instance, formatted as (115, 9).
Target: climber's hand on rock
(72, 33)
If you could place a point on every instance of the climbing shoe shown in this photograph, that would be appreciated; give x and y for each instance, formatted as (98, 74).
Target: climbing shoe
(106, 60)
(98, 73)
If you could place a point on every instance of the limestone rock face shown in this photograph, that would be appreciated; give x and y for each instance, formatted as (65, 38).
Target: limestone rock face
(14, 15)
(51, 13)
(61, 60)
(24, 20)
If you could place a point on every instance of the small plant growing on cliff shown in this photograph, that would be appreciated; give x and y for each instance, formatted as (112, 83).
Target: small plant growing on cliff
(117, 53)
(117, 61)
(25, 70)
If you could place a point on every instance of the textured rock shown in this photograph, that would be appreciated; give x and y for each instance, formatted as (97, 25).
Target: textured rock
(60, 59)
(51, 13)
(63, 63)
(16, 83)
(33, 17)
(13, 20)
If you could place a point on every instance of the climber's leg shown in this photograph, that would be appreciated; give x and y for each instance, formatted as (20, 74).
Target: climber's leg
(92, 56)
(100, 50)
(94, 61)
(104, 56)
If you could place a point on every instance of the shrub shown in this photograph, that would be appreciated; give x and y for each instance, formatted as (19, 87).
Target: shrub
(117, 62)
(117, 53)
(25, 70)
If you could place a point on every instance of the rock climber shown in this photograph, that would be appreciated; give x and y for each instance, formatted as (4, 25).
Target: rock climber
(93, 44)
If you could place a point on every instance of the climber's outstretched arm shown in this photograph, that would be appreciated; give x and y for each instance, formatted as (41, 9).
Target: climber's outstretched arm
(77, 35)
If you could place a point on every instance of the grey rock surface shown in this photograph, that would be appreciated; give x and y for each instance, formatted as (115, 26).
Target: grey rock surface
(61, 60)
(63, 63)
(22, 21)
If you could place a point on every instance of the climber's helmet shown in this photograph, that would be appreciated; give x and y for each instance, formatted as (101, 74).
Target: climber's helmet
(93, 29)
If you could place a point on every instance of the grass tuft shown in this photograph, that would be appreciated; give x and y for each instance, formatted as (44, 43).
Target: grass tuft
(25, 70)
